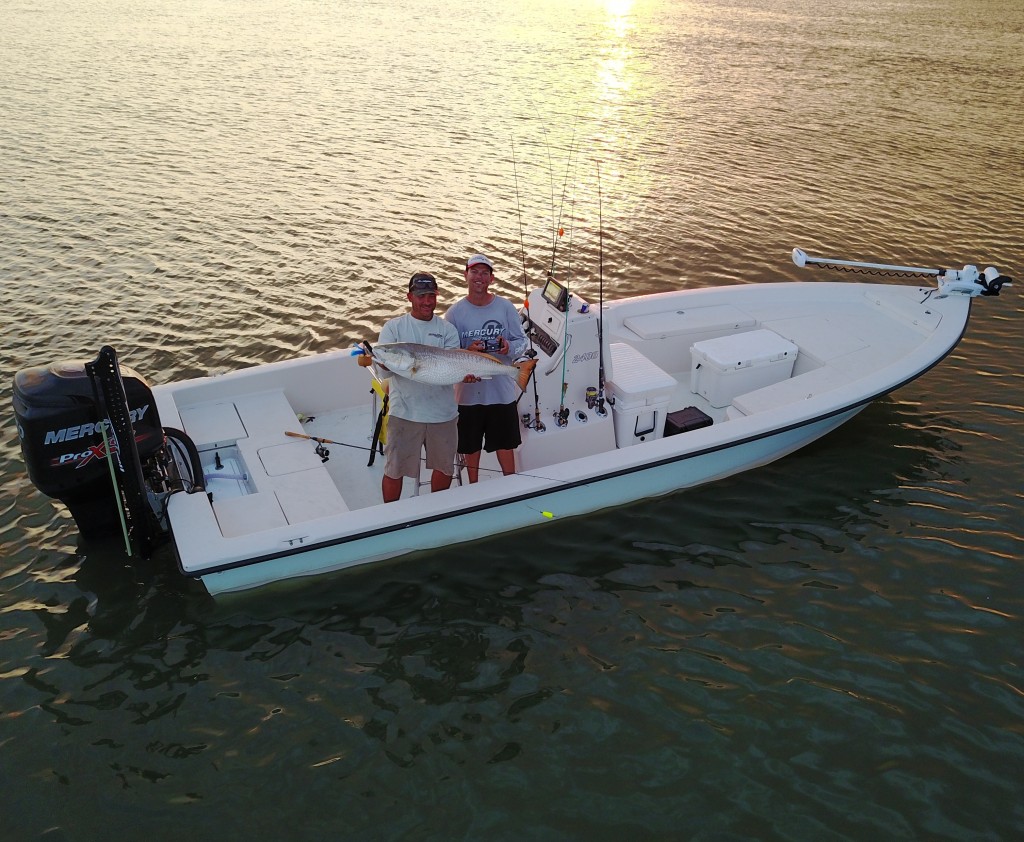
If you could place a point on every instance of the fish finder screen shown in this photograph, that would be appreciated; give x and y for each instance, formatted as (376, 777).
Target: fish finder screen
(554, 293)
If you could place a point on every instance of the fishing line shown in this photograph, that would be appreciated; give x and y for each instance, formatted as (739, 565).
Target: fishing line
(323, 441)
(537, 424)
(572, 222)
(558, 229)
(551, 171)
(551, 179)
(519, 215)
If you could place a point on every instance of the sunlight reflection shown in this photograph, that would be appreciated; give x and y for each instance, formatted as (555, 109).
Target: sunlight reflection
(612, 79)
(619, 15)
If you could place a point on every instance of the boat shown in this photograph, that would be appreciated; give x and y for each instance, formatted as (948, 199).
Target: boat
(268, 473)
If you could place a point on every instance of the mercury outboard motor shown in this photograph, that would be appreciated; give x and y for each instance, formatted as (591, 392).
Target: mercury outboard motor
(82, 424)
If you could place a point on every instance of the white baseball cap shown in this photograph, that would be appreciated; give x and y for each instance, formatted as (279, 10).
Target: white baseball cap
(476, 259)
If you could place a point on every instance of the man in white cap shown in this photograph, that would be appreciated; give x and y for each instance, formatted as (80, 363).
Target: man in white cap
(419, 414)
(487, 409)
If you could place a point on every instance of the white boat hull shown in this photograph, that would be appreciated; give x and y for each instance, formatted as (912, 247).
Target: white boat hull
(472, 522)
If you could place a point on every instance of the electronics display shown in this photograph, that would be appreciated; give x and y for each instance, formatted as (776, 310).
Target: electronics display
(556, 295)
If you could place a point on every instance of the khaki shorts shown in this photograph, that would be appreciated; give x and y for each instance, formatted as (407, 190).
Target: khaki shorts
(406, 440)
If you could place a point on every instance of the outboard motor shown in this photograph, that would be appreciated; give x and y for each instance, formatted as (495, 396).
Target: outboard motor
(68, 420)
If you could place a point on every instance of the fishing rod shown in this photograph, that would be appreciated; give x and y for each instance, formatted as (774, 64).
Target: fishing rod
(562, 415)
(600, 298)
(538, 425)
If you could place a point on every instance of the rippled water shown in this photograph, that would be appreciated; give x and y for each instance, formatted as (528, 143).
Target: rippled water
(827, 648)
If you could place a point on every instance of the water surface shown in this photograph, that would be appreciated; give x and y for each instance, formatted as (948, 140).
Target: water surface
(826, 648)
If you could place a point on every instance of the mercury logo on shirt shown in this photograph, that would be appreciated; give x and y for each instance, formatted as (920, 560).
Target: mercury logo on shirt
(491, 330)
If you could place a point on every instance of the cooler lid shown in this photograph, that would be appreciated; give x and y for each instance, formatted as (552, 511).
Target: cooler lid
(746, 349)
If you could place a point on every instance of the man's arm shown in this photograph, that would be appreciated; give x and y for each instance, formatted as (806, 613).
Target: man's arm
(517, 342)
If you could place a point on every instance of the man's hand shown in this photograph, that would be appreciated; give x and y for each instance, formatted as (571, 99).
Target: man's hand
(481, 347)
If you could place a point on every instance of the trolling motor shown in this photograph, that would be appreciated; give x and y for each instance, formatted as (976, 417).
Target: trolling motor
(967, 281)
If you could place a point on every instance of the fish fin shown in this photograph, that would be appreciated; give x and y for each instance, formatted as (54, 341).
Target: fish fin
(525, 371)
(486, 356)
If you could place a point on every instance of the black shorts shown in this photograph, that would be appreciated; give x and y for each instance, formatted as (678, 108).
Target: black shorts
(497, 425)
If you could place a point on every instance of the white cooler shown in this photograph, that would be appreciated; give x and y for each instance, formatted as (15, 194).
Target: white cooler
(733, 365)
(642, 391)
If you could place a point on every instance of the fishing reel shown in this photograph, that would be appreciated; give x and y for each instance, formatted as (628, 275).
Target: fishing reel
(322, 452)
(596, 400)
(562, 416)
(531, 422)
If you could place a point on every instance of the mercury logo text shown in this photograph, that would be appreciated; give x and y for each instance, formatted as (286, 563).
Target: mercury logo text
(82, 430)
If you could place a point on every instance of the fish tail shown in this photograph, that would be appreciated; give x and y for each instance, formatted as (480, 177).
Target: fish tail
(525, 371)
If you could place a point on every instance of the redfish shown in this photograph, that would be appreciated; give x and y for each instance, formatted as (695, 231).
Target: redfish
(444, 366)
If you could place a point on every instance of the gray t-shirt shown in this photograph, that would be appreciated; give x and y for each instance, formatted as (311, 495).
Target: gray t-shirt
(413, 401)
(497, 319)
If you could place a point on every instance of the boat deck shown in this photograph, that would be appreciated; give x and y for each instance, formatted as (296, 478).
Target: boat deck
(358, 482)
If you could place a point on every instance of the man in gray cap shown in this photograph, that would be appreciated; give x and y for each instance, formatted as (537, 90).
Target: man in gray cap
(419, 414)
(487, 408)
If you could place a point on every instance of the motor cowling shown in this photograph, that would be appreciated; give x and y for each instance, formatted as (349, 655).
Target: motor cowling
(61, 432)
